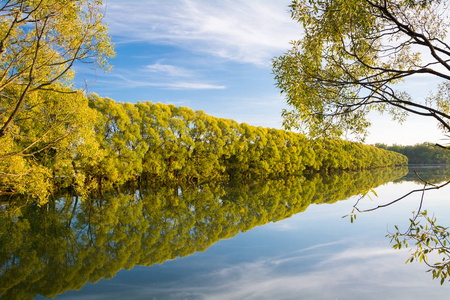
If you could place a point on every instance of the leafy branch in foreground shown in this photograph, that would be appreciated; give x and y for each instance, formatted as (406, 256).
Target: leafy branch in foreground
(431, 241)
(428, 239)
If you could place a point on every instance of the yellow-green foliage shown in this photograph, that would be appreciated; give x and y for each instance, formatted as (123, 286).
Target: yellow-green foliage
(45, 124)
(175, 144)
(106, 143)
(46, 141)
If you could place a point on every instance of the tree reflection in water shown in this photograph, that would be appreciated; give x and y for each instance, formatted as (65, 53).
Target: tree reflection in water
(71, 241)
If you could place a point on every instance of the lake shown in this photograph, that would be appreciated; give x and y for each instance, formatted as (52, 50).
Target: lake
(269, 239)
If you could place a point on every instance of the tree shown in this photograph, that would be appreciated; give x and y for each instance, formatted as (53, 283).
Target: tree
(40, 41)
(352, 55)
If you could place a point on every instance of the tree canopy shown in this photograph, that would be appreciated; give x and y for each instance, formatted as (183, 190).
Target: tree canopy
(352, 56)
(43, 118)
(171, 145)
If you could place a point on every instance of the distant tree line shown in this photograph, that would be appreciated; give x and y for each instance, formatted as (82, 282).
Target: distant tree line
(424, 153)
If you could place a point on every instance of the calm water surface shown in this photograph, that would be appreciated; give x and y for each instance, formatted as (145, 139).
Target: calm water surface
(283, 239)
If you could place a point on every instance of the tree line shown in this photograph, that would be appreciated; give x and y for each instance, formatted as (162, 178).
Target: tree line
(67, 242)
(170, 144)
(424, 153)
(118, 143)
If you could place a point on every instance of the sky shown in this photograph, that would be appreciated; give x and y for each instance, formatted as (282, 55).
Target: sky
(216, 56)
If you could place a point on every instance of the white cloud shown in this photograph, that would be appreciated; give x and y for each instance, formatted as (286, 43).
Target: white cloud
(250, 31)
(191, 86)
(129, 82)
(168, 70)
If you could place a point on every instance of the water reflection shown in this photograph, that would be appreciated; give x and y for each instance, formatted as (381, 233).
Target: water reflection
(431, 173)
(69, 242)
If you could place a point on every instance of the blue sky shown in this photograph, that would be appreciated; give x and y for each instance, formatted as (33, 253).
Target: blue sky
(215, 56)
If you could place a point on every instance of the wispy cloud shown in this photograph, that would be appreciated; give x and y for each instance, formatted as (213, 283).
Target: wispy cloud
(250, 31)
(168, 70)
(191, 86)
(350, 270)
(129, 82)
